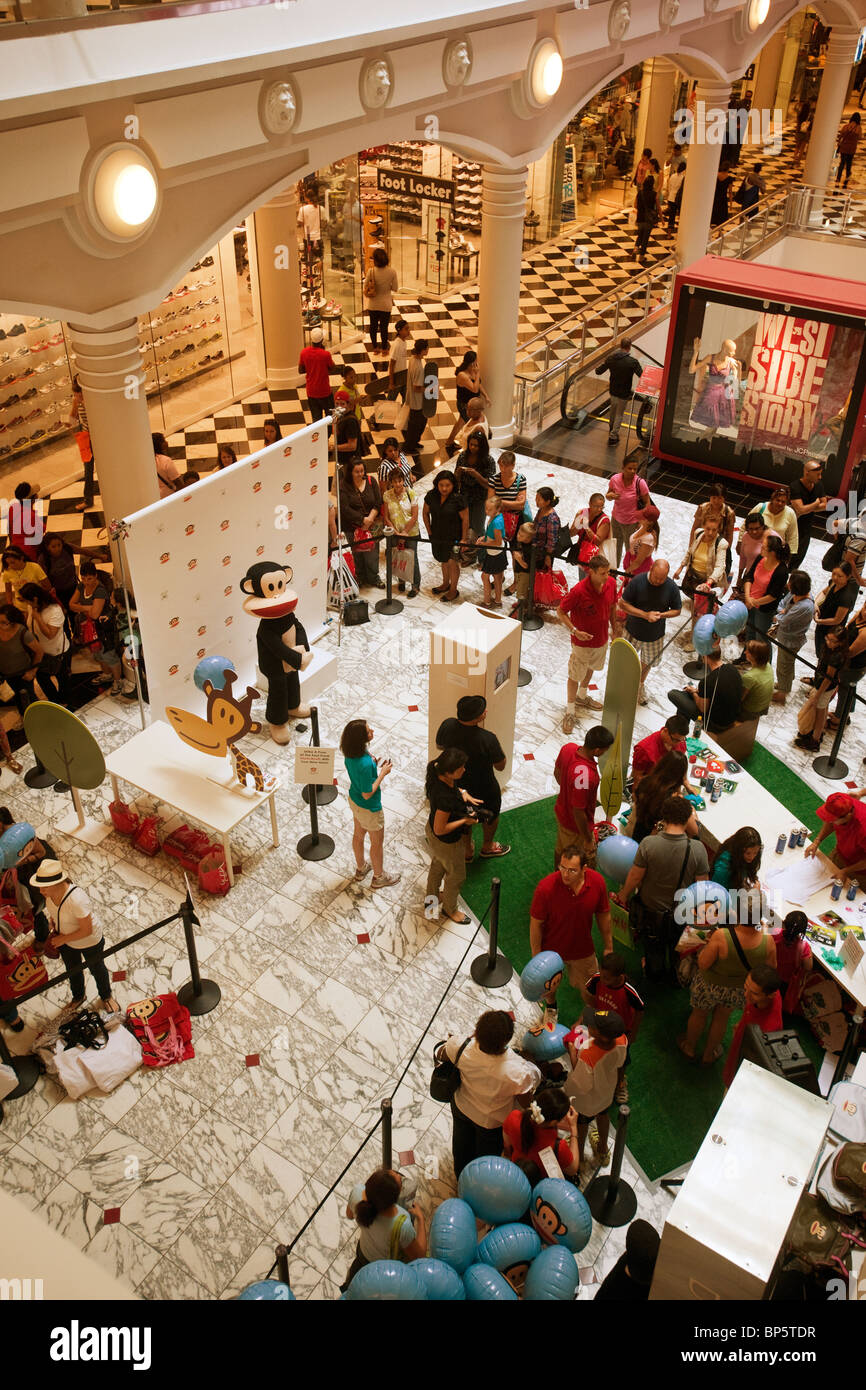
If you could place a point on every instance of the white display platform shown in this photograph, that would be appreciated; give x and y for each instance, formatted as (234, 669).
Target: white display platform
(752, 804)
(476, 652)
(158, 763)
(724, 1233)
(322, 671)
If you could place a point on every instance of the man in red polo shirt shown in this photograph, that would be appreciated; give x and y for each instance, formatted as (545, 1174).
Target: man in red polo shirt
(586, 612)
(668, 739)
(576, 772)
(317, 364)
(560, 917)
(844, 817)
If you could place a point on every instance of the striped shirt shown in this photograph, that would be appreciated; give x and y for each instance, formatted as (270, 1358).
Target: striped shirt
(512, 491)
(81, 411)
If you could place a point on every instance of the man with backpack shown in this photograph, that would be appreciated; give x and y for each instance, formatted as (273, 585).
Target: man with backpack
(665, 862)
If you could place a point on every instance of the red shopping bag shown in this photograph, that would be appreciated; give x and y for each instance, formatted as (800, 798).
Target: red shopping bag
(550, 588)
(122, 818)
(213, 875)
(188, 846)
(146, 837)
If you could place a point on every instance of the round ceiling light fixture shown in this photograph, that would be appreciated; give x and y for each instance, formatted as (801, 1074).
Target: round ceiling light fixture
(545, 72)
(756, 14)
(125, 191)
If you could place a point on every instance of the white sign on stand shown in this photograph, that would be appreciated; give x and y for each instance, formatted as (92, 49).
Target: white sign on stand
(314, 765)
(851, 951)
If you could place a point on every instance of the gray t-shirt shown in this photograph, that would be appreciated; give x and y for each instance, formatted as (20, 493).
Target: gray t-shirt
(662, 857)
(375, 1240)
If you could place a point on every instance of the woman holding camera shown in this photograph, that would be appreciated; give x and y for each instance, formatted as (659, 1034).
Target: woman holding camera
(451, 813)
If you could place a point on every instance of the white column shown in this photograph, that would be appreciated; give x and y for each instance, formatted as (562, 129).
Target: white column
(831, 102)
(110, 370)
(653, 129)
(503, 207)
(702, 166)
(279, 281)
(767, 73)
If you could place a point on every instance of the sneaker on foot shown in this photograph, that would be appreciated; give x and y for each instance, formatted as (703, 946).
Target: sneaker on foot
(568, 722)
(362, 873)
(591, 703)
(384, 880)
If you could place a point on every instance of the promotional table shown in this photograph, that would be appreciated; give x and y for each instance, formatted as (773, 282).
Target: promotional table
(158, 763)
(752, 804)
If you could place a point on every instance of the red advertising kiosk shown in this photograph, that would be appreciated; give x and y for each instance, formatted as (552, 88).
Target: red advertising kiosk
(765, 367)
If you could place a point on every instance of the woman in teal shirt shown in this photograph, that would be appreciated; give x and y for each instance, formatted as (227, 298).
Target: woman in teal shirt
(365, 797)
(738, 862)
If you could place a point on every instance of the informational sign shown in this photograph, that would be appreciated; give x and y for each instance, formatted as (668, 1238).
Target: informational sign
(851, 951)
(568, 184)
(784, 382)
(409, 183)
(314, 765)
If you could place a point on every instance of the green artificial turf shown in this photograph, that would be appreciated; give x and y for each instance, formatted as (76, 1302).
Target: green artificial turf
(672, 1100)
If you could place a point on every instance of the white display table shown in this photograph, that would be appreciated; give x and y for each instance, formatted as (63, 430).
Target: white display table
(752, 804)
(728, 1223)
(158, 763)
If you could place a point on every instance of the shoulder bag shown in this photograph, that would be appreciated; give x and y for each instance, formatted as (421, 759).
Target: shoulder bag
(744, 959)
(445, 1078)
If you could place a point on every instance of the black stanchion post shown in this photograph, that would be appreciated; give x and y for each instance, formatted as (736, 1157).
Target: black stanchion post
(530, 622)
(492, 969)
(314, 845)
(610, 1199)
(833, 767)
(387, 1116)
(389, 605)
(39, 776)
(325, 792)
(282, 1256)
(27, 1069)
(199, 996)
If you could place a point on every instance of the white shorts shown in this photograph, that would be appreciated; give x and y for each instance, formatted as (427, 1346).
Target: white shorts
(583, 659)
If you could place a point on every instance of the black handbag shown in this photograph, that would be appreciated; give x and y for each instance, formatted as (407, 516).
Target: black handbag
(355, 612)
(84, 1030)
(445, 1077)
(833, 554)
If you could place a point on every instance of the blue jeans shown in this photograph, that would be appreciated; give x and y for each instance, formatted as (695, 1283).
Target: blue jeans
(759, 622)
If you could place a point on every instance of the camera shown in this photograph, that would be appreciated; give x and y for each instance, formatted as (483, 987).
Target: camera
(482, 814)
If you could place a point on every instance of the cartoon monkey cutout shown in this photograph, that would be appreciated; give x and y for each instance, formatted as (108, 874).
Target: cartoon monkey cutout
(283, 649)
(226, 720)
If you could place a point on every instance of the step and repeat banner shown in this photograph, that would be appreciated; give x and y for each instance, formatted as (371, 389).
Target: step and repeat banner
(187, 554)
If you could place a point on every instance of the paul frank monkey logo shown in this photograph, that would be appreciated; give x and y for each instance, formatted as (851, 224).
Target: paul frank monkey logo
(191, 564)
(164, 559)
(227, 559)
(202, 631)
(190, 530)
(314, 489)
(173, 622)
(228, 588)
(173, 670)
(257, 485)
(547, 1221)
(224, 525)
(287, 487)
(260, 550)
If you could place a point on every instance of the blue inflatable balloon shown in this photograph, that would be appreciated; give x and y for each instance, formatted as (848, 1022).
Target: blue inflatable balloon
(702, 904)
(731, 618)
(440, 1282)
(704, 635)
(546, 1045)
(552, 1276)
(12, 841)
(213, 669)
(266, 1291)
(386, 1281)
(453, 1235)
(495, 1188)
(539, 975)
(615, 856)
(510, 1249)
(482, 1282)
(560, 1214)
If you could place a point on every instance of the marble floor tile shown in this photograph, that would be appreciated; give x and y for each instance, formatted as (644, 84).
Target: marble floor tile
(334, 1009)
(323, 946)
(22, 1114)
(163, 1116)
(214, 1244)
(261, 1094)
(72, 1214)
(305, 1132)
(384, 1041)
(255, 1268)
(211, 1151)
(162, 1206)
(288, 984)
(346, 1083)
(316, 886)
(262, 1187)
(27, 1177)
(329, 1232)
(168, 1282)
(250, 1024)
(63, 1136)
(113, 1168)
(210, 1072)
(123, 1253)
(279, 920)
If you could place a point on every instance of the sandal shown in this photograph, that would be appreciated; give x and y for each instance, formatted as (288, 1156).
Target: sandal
(711, 1061)
(495, 851)
(440, 589)
(681, 1044)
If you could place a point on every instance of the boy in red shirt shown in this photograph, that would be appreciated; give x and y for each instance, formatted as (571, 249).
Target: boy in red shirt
(586, 611)
(763, 989)
(670, 738)
(317, 364)
(610, 989)
(576, 773)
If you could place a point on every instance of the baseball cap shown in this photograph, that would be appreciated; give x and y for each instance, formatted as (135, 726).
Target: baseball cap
(48, 873)
(835, 807)
(642, 1243)
(317, 335)
(604, 1021)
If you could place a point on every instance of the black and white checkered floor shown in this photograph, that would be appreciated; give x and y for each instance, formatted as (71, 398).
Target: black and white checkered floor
(557, 280)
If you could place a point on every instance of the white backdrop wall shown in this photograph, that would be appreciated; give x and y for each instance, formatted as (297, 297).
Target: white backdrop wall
(187, 554)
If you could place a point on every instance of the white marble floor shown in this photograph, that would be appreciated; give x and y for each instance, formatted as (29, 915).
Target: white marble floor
(181, 1182)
